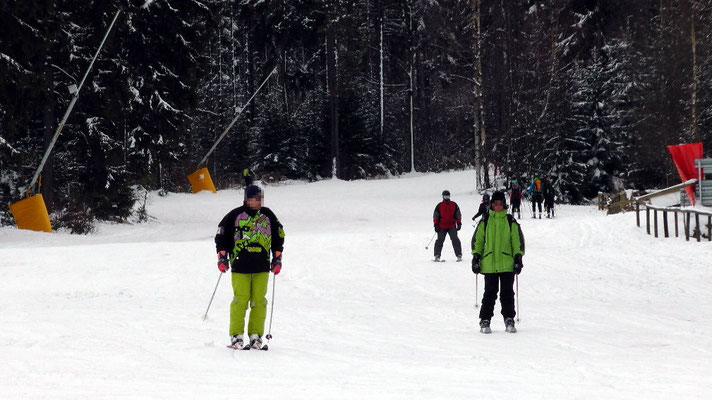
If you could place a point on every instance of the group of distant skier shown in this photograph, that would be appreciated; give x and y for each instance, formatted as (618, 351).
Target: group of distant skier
(498, 242)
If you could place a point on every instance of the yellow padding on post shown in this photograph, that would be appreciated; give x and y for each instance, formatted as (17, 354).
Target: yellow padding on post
(31, 213)
(200, 180)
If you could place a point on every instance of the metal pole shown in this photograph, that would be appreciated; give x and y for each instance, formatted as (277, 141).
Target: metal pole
(69, 109)
(431, 240)
(516, 279)
(477, 296)
(211, 297)
(271, 310)
(239, 112)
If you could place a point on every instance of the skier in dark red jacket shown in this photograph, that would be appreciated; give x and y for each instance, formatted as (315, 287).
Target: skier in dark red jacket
(447, 220)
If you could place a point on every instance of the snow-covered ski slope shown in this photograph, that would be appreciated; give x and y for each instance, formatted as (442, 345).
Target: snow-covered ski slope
(607, 312)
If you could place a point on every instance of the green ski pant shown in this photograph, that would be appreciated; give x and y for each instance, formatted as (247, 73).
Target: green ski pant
(249, 289)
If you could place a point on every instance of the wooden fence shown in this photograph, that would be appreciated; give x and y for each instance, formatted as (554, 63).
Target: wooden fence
(691, 225)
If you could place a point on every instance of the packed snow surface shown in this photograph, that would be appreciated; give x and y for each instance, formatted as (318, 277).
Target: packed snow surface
(360, 311)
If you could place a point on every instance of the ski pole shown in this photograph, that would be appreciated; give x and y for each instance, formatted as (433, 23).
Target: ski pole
(211, 297)
(477, 296)
(516, 279)
(431, 240)
(271, 311)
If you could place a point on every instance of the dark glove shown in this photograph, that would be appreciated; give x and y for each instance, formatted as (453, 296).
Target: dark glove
(223, 261)
(276, 263)
(476, 263)
(437, 229)
(518, 264)
(459, 225)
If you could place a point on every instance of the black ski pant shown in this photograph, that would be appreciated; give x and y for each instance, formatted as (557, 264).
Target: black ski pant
(516, 206)
(549, 204)
(537, 198)
(456, 245)
(506, 295)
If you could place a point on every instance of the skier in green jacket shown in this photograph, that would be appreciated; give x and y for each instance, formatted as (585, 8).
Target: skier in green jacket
(497, 250)
(247, 238)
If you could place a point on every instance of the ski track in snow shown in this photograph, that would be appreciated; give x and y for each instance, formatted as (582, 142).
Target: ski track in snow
(606, 310)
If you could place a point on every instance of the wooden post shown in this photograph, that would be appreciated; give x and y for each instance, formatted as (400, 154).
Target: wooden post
(676, 230)
(709, 228)
(647, 219)
(655, 216)
(665, 224)
(699, 229)
(687, 226)
(637, 213)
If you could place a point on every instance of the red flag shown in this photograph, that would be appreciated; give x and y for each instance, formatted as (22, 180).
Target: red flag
(684, 156)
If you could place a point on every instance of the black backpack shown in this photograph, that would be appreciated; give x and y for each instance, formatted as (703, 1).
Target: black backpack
(511, 220)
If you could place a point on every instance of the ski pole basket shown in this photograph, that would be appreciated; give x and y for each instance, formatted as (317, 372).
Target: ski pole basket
(200, 180)
(31, 213)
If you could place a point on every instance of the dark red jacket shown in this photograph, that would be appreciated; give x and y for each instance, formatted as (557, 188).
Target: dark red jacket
(447, 215)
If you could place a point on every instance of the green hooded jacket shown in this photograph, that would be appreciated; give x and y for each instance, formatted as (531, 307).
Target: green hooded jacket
(498, 245)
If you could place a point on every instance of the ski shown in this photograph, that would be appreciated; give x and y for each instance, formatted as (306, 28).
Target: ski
(243, 347)
(438, 260)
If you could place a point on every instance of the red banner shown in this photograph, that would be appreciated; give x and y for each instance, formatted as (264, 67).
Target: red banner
(684, 156)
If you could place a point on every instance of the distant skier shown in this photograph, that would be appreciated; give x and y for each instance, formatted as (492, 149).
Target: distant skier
(515, 198)
(447, 220)
(536, 196)
(548, 192)
(247, 175)
(484, 206)
(246, 236)
(497, 250)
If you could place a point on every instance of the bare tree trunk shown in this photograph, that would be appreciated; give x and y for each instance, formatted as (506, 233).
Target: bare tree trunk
(331, 83)
(694, 123)
(411, 62)
(481, 173)
(380, 56)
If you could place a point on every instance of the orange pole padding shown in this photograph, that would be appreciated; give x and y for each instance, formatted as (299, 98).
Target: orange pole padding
(200, 180)
(31, 213)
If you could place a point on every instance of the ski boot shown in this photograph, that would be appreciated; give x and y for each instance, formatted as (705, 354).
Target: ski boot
(459, 258)
(255, 341)
(485, 326)
(509, 325)
(236, 342)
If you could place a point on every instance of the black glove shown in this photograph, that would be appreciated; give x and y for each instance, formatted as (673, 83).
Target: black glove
(436, 228)
(459, 225)
(476, 263)
(518, 264)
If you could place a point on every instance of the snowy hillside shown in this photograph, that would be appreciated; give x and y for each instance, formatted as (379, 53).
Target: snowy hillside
(607, 312)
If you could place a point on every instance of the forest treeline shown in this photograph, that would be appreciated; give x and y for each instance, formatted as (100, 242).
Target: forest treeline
(589, 92)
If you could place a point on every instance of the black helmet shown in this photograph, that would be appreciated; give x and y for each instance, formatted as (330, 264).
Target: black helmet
(446, 194)
(485, 196)
(499, 196)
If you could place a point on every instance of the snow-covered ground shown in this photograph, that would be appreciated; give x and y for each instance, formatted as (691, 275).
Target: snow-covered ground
(607, 312)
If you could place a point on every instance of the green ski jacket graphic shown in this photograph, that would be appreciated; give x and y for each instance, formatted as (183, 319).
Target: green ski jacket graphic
(249, 236)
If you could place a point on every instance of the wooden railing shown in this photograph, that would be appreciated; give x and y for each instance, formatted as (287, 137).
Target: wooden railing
(698, 231)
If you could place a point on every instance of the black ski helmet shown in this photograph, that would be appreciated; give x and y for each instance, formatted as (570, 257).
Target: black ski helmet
(446, 194)
(499, 196)
(485, 197)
